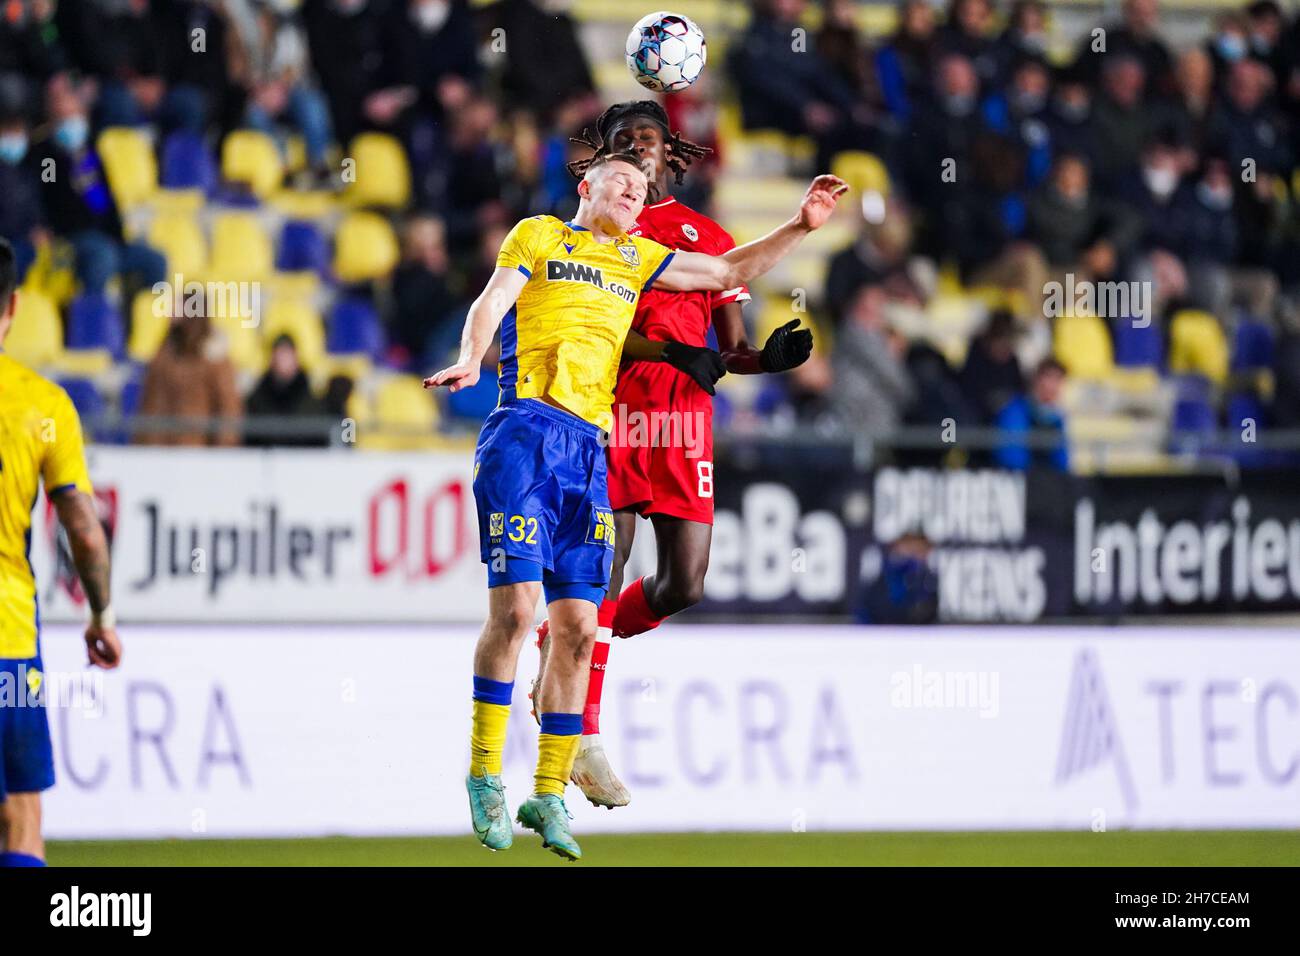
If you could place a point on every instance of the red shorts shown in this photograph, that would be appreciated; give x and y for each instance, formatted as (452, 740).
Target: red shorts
(661, 447)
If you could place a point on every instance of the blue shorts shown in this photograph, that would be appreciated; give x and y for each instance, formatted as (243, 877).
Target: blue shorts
(26, 757)
(543, 504)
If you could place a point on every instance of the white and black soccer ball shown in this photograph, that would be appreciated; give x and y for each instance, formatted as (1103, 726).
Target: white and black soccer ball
(666, 52)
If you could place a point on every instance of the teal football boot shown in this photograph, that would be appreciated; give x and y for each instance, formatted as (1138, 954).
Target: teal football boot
(487, 807)
(547, 815)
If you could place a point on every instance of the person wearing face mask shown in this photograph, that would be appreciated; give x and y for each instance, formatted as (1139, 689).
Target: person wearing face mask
(1227, 44)
(1025, 37)
(343, 36)
(21, 212)
(1207, 235)
(1149, 191)
(78, 202)
(1069, 114)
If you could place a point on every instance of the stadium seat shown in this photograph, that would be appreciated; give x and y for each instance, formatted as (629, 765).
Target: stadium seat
(1197, 344)
(1138, 347)
(365, 248)
(301, 322)
(36, 337)
(1252, 346)
(94, 324)
(241, 248)
(85, 396)
(129, 164)
(187, 163)
(474, 404)
(178, 237)
(147, 329)
(1082, 344)
(302, 248)
(383, 178)
(251, 158)
(304, 204)
(864, 172)
(354, 329)
(404, 416)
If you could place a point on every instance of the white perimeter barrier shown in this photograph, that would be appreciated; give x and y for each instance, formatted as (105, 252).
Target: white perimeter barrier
(240, 730)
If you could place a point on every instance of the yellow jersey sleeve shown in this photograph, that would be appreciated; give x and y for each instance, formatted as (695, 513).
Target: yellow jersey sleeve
(519, 250)
(654, 259)
(64, 464)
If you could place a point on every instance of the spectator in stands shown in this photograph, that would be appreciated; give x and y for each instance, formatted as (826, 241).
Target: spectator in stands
(273, 66)
(1246, 126)
(1188, 112)
(1205, 234)
(840, 45)
(545, 63)
(197, 74)
(872, 387)
(283, 393)
(192, 382)
(1069, 118)
(30, 51)
(470, 196)
(783, 87)
(1035, 412)
(991, 376)
(346, 51)
(1025, 37)
(21, 212)
(78, 203)
(1267, 26)
(905, 64)
(422, 322)
(1227, 45)
(1121, 121)
(1077, 230)
(1137, 36)
(121, 43)
(879, 256)
(968, 32)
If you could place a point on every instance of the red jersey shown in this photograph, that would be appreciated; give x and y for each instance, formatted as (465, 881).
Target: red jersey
(681, 316)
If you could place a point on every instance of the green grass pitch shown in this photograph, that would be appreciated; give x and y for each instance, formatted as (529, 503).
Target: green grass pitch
(1115, 848)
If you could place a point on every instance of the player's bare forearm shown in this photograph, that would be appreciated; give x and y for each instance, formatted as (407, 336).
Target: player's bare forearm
(740, 357)
(485, 315)
(89, 546)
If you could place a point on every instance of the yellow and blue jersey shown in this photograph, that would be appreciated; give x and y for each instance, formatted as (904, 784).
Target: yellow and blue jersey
(563, 339)
(40, 443)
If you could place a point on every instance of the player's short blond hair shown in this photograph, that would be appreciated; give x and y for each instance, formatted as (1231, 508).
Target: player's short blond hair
(626, 156)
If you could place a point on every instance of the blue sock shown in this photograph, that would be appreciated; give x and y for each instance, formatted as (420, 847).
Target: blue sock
(19, 859)
(493, 691)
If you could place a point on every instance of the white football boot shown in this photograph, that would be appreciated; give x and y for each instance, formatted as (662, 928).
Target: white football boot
(596, 778)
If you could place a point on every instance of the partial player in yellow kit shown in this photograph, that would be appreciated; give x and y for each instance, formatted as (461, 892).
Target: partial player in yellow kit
(40, 444)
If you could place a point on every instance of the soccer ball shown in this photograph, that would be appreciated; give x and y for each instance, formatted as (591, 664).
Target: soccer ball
(666, 52)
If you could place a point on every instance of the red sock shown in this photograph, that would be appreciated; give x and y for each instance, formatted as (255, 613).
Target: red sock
(634, 615)
(599, 658)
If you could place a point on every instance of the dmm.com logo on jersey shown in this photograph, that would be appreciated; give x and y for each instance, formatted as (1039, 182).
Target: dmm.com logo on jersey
(558, 270)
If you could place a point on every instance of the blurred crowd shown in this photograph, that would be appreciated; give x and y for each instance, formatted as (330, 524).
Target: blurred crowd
(1125, 160)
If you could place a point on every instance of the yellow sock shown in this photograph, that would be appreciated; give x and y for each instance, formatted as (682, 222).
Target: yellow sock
(555, 756)
(487, 739)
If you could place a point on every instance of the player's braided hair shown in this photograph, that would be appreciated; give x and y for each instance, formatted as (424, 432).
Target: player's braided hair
(681, 153)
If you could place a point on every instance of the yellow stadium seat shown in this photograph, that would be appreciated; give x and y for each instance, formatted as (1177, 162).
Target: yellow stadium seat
(1197, 344)
(303, 204)
(243, 342)
(252, 158)
(365, 248)
(301, 322)
(383, 178)
(177, 201)
(179, 238)
(83, 363)
(147, 329)
(1082, 344)
(403, 416)
(241, 248)
(36, 337)
(129, 164)
(864, 172)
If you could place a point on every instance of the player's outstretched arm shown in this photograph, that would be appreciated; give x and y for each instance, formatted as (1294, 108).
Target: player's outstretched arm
(693, 270)
(701, 363)
(76, 511)
(485, 315)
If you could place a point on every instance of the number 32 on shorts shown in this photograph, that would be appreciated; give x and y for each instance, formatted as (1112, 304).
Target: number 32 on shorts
(704, 470)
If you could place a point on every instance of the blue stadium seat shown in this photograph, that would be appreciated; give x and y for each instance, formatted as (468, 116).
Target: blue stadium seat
(354, 329)
(1138, 347)
(1252, 346)
(187, 163)
(475, 403)
(128, 400)
(1244, 407)
(85, 397)
(302, 249)
(95, 323)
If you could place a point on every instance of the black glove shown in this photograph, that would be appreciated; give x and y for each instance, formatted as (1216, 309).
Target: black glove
(699, 362)
(786, 348)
